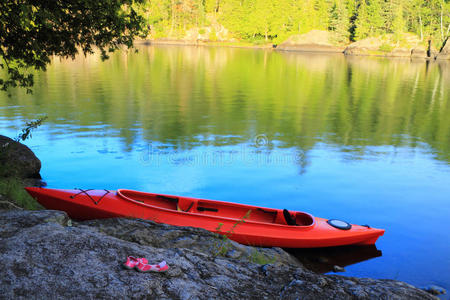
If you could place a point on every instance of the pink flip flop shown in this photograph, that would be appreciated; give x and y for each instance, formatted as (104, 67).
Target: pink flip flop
(161, 267)
(133, 262)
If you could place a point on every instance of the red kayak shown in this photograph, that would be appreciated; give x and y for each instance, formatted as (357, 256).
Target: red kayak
(246, 224)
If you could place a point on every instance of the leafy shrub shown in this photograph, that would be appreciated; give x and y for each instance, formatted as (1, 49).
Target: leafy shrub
(213, 35)
(385, 47)
(13, 190)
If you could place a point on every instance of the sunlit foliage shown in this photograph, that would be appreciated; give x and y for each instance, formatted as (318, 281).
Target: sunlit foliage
(31, 32)
(275, 19)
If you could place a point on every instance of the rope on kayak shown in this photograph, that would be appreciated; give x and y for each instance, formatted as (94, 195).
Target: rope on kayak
(81, 192)
(96, 202)
(100, 199)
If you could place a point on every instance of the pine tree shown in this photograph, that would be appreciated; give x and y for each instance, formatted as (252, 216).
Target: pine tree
(308, 16)
(398, 23)
(339, 21)
(293, 16)
(370, 21)
(362, 25)
(375, 17)
(321, 8)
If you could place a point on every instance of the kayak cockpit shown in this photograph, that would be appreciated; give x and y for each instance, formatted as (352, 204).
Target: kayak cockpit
(217, 209)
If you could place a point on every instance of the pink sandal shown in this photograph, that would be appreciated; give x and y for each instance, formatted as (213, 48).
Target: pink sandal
(133, 262)
(145, 267)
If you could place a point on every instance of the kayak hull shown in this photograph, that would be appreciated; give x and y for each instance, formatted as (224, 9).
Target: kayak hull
(246, 224)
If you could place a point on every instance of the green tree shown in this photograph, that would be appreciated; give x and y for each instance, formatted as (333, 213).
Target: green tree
(322, 8)
(339, 20)
(445, 20)
(398, 23)
(268, 18)
(31, 32)
(415, 17)
(293, 10)
(394, 20)
(369, 21)
(362, 26)
(376, 17)
(235, 16)
(313, 15)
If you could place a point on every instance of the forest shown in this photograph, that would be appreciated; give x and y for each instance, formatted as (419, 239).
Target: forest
(262, 21)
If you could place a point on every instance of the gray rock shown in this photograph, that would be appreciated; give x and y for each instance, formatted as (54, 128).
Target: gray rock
(435, 290)
(419, 52)
(313, 41)
(145, 232)
(42, 257)
(17, 160)
(355, 51)
(6, 203)
(337, 269)
(310, 48)
(399, 52)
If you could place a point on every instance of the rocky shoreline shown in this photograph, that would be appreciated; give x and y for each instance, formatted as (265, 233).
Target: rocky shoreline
(45, 253)
(318, 41)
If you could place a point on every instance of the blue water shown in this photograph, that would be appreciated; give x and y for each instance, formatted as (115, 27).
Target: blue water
(230, 124)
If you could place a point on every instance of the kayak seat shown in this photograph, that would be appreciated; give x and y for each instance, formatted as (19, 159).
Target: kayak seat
(288, 217)
(279, 218)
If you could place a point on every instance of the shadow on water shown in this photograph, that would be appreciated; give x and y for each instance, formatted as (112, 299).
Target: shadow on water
(324, 260)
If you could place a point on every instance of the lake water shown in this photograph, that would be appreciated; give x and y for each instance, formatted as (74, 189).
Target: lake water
(366, 140)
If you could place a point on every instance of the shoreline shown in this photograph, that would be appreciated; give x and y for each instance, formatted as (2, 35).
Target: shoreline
(229, 44)
(348, 50)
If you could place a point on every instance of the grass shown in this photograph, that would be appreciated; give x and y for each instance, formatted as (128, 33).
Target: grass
(224, 244)
(260, 258)
(12, 190)
(16, 196)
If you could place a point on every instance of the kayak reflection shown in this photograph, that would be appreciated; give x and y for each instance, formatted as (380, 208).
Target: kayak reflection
(324, 260)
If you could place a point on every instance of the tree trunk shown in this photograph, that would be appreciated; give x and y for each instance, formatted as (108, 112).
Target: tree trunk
(421, 28)
(429, 48)
(172, 25)
(442, 25)
(217, 6)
